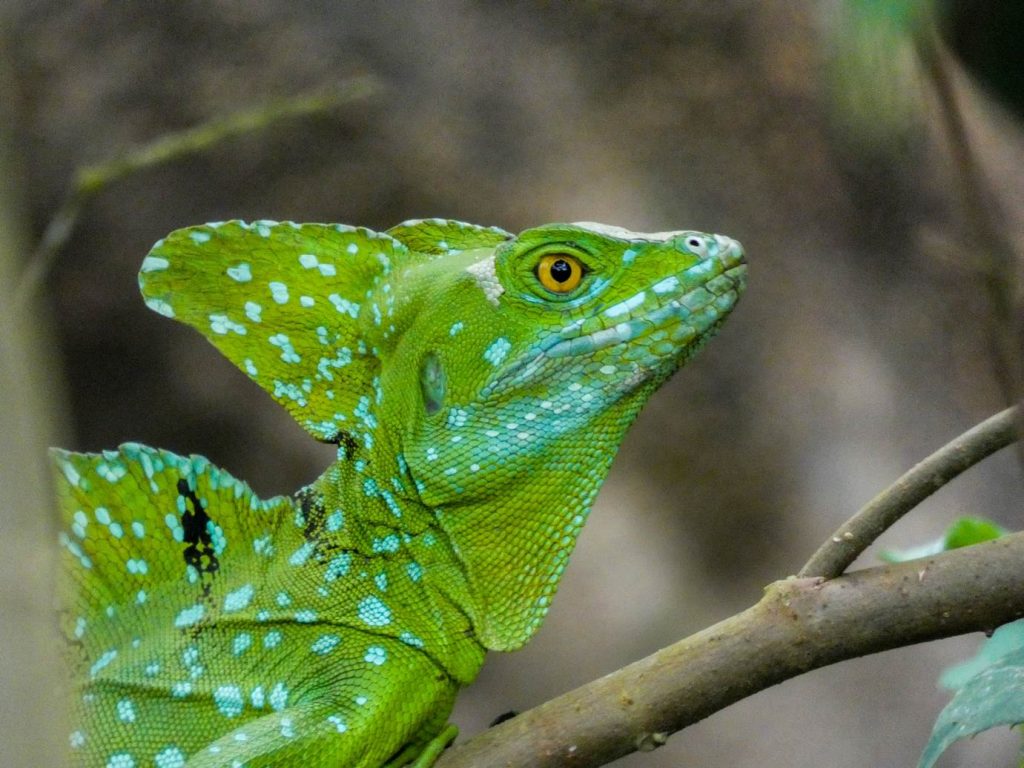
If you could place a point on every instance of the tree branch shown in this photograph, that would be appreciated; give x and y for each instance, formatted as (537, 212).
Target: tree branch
(856, 534)
(91, 180)
(799, 625)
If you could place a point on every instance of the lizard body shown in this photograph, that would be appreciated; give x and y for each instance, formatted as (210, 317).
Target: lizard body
(477, 385)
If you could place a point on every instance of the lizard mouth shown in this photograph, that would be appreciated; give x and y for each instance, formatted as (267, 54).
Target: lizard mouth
(679, 309)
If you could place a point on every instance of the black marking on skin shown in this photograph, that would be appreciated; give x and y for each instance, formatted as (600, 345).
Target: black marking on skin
(311, 504)
(198, 550)
(344, 440)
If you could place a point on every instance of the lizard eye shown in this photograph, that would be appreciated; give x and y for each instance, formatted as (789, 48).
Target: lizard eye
(559, 272)
(697, 245)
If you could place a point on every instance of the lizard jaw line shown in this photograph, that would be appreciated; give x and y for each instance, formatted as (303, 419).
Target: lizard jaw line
(696, 310)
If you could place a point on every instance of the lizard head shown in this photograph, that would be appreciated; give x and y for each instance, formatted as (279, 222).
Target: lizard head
(562, 326)
(533, 358)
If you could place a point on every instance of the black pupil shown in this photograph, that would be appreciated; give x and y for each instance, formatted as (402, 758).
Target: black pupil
(561, 271)
(694, 242)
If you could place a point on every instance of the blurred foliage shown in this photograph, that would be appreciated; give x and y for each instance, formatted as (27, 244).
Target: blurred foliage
(961, 533)
(988, 687)
(989, 698)
(986, 36)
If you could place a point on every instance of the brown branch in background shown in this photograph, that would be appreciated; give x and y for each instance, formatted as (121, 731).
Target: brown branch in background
(987, 228)
(93, 179)
(856, 534)
(799, 625)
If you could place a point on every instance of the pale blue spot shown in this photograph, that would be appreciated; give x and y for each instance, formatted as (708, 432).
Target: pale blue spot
(126, 711)
(338, 566)
(410, 639)
(301, 555)
(376, 655)
(239, 599)
(190, 616)
(160, 306)
(111, 472)
(373, 612)
(241, 643)
(250, 368)
(241, 273)
(101, 662)
(181, 690)
(306, 301)
(140, 596)
(257, 697)
(102, 515)
(628, 256)
(116, 530)
(278, 697)
(286, 728)
(389, 543)
(278, 292)
(138, 529)
(624, 307)
(137, 566)
(338, 723)
(495, 354)
(172, 522)
(415, 571)
(228, 699)
(76, 739)
(325, 644)
(308, 260)
(305, 616)
(457, 417)
(344, 306)
(254, 311)
(283, 599)
(381, 580)
(154, 264)
(171, 757)
(335, 521)
(669, 285)
(121, 760)
(217, 539)
(199, 237)
(80, 624)
(288, 353)
(352, 248)
(327, 270)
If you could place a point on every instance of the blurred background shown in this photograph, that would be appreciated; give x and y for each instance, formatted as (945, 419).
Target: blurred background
(874, 178)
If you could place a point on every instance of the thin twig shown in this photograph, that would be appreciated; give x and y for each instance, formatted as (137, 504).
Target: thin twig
(984, 220)
(91, 180)
(856, 534)
(800, 625)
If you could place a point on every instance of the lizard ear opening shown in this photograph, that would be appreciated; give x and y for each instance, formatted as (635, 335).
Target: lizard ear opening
(299, 307)
(433, 383)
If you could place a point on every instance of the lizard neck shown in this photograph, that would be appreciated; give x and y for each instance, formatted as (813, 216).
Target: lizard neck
(379, 562)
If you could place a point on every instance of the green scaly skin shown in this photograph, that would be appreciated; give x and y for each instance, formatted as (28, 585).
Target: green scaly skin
(476, 413)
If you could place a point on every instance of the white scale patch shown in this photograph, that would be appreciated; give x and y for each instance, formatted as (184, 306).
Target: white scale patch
(485, 276)
(626, 234)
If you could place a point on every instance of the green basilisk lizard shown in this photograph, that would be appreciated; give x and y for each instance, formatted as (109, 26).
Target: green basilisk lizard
(477, 385)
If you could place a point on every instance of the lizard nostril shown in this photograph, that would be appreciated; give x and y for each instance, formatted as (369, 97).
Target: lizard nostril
(729, 251)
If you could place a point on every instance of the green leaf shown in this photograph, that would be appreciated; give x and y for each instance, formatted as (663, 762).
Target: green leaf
(1005, 640)
(991, 698)
(971, 530)
(961, 533)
